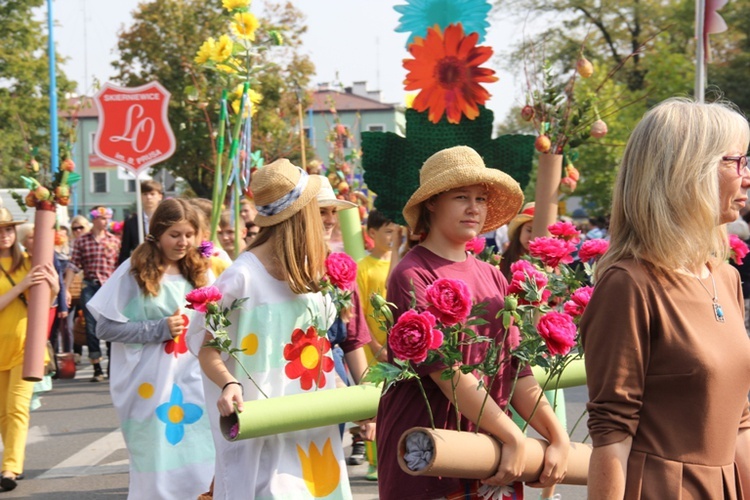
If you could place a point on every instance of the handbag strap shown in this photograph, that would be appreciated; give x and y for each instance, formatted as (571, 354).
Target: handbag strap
(21, 296)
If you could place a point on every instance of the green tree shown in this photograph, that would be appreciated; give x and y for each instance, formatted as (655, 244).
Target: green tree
(651, 45)
(161, 45)
(24, 89)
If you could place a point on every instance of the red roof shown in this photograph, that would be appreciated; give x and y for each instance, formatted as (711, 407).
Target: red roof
(81, 107)
(345, 101)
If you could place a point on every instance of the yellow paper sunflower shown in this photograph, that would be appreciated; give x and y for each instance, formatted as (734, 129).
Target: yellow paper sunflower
(244, 25)
(222, 49)
(446, 71)
(231, 5)
(253, 96)
(206, 51)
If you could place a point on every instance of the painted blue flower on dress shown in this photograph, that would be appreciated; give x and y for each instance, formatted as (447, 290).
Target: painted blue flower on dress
(177, 414)
(418, 15)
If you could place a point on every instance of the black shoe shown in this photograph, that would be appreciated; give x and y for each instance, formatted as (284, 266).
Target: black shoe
(358, 454)
(8, 483)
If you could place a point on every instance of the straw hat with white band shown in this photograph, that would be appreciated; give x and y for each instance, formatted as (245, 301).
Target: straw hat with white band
(461, 166)
(327, 197)
(281, 190)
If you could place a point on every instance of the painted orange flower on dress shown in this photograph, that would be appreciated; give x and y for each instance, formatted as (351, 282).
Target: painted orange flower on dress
(307, 359)
(446, 69)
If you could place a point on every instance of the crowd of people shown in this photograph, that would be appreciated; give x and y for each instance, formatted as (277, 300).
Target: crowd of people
(667, 353)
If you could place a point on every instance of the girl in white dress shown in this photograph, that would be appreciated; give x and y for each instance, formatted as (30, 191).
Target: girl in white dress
(281, 329)
(156, 384)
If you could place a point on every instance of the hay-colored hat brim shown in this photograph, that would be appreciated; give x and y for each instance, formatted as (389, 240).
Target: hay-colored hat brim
(310, 192)
(6, 218)
(504, 200)
(518, 221)
(12, 223)
(341, 204)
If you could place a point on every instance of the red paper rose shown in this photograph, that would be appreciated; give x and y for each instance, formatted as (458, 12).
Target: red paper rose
(738, 247)
(558, 331)
(341, 270)
(449, 300)
(592, 249)
(552, 251)
(413, 335)
(565, 230)
(578, 301)
(476, 245)
(200, 298)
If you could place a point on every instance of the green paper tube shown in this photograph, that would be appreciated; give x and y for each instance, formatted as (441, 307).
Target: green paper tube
(351, 233)
(573, 376)
(266, 417)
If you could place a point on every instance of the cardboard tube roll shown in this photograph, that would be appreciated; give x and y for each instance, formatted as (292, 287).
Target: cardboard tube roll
(545, 197)
(351, 233)
(477, 456)
(265, 417)
(39, 298)
(573, 376)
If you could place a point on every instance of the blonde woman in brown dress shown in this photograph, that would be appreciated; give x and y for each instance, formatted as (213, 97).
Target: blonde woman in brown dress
(667, 356)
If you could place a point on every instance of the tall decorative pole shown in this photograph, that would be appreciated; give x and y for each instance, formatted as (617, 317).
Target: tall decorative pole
(54, 153)
(700, 56)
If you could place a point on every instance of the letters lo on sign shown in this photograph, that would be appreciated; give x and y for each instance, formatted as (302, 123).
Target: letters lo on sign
(133, 127)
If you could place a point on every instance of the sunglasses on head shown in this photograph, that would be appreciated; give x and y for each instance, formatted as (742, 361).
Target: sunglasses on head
(76, 228)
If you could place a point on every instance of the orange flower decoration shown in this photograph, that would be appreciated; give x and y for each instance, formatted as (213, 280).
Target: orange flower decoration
(307, 359)
(446, 69)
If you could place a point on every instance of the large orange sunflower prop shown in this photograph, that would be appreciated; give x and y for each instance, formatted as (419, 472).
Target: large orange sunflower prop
(446, 70)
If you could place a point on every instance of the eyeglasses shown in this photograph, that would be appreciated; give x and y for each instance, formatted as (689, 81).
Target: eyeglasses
(741, 162)
(76, 228)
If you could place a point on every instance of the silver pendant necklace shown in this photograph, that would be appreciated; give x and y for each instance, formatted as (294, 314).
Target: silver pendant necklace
(718, 311)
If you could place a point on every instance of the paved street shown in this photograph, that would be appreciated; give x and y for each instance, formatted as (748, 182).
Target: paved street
(76, 451)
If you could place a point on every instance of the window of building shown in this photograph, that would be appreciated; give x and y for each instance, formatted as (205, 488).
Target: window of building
(309, 136)
(344, 138)
(99, 182)
(130, 185)
(376, 128)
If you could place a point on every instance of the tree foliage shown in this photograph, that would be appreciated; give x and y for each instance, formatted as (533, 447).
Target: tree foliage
(24, 89)
(651, 46)
(161, 45)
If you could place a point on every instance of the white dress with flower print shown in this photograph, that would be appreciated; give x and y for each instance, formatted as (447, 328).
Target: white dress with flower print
(281, 352)
(157, 391)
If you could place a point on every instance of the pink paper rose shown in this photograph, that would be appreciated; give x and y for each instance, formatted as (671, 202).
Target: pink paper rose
(565, 230)
(449, 300)
(578, 301)
(413, 335)
(552, 251)
(592, 249)
(522, 270)
(558, 331)
(200, 298)
(341, 270)
(476, 245)
(738, 248)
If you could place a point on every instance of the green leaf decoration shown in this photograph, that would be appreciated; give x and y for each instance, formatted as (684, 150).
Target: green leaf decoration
(391, 162)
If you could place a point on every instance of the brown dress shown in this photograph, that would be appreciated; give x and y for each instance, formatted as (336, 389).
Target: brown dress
(663, 370)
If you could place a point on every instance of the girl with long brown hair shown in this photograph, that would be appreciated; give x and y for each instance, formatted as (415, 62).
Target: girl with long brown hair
(156, 384)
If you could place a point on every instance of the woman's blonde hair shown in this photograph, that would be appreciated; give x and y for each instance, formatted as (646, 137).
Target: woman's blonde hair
(299, 246)
(665, 205)
(147, 262)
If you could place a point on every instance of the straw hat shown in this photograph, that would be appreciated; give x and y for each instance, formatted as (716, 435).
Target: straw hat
(526, 215)
(281, 190)
(462, 166)
(327, 197)
(6, 218)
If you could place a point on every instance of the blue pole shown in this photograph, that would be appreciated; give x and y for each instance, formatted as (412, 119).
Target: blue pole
(54, 153)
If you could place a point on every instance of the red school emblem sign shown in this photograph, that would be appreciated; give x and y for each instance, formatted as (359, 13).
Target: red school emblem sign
(133, 127)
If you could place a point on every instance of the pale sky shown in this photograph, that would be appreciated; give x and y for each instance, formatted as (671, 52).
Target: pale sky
(352, 38)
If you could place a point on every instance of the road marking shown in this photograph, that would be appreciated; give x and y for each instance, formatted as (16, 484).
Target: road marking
(85, 462)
